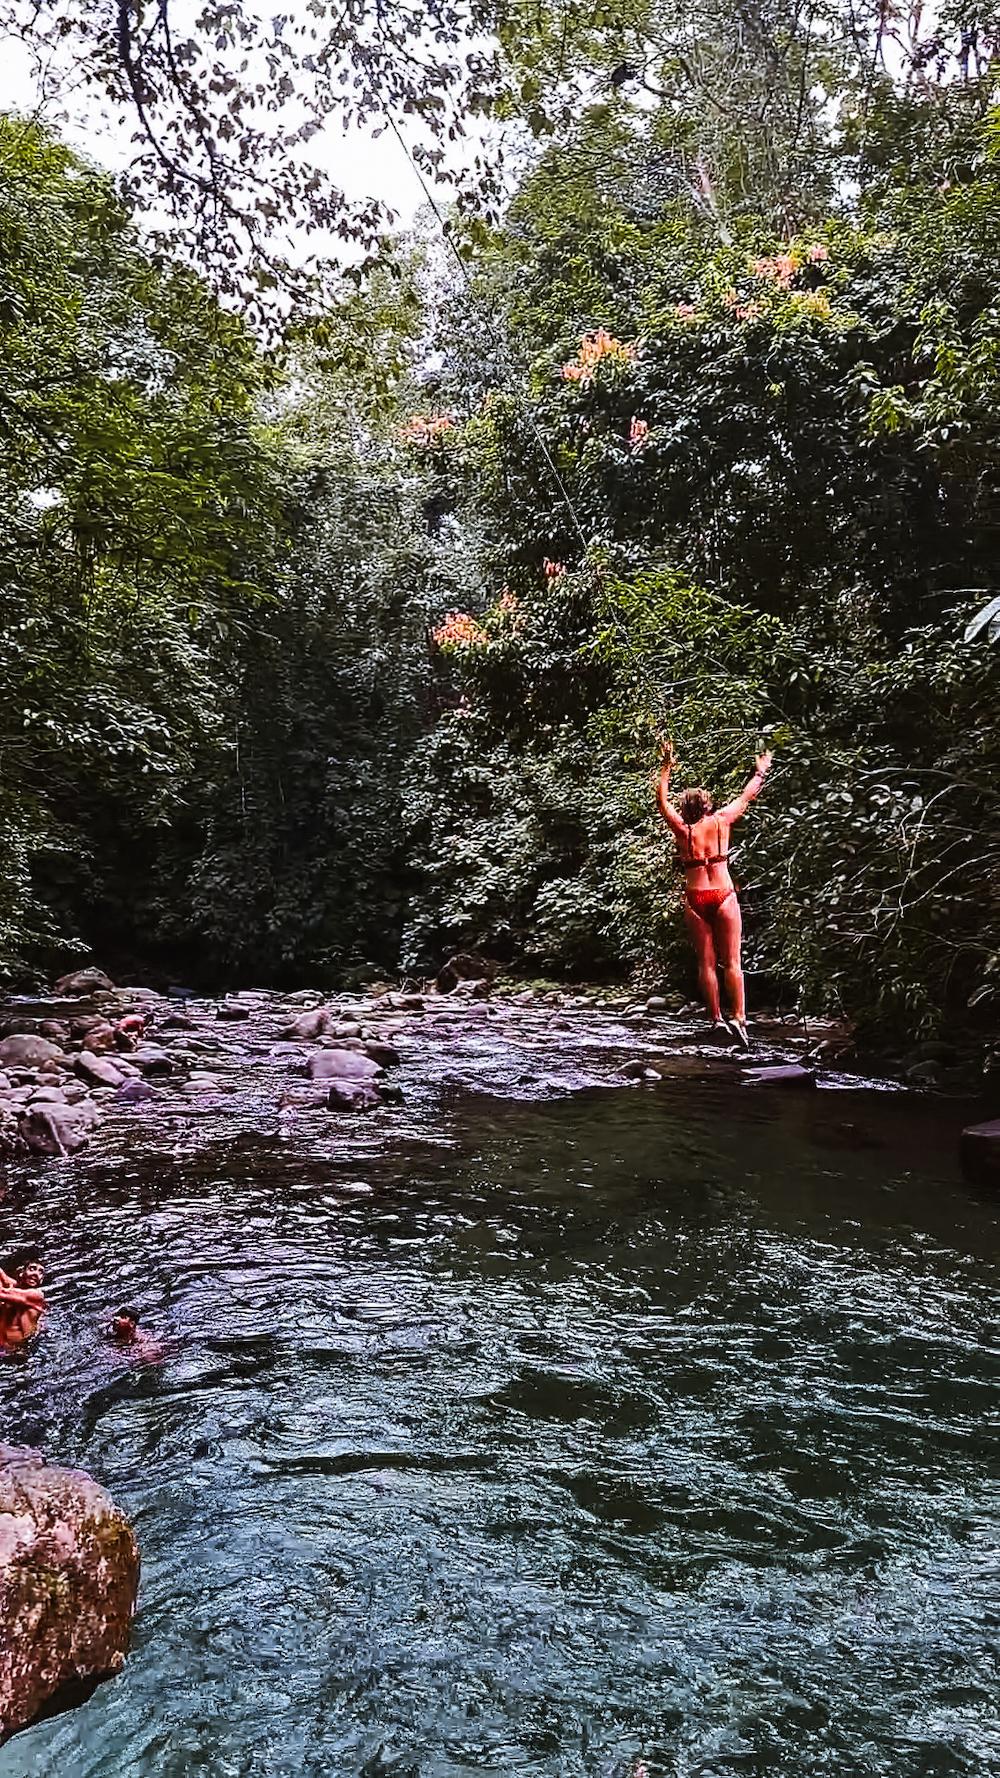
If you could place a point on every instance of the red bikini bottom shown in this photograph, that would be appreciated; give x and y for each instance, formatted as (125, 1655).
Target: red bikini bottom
(707, 902)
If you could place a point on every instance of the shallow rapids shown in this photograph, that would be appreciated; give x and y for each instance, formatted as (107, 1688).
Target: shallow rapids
(634, 1431)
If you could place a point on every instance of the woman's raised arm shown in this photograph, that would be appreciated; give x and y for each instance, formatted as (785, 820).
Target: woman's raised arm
(664, 804)
(734, 810)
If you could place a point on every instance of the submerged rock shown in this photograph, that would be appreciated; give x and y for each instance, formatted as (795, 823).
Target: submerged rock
(786, 1074)
(69, 1572)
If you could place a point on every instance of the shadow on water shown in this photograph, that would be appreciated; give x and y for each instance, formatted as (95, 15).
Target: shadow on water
(648, 1429)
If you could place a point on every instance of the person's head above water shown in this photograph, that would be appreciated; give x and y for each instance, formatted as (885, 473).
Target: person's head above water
(125, 1324)
(29, 1275)
(694, 805)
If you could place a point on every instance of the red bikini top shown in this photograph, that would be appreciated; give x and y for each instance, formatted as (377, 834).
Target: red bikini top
(697, 863)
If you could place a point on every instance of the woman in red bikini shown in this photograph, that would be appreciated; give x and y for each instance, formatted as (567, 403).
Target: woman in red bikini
(711, 908)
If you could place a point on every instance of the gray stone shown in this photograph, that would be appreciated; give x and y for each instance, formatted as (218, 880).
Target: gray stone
(309, 1025)
(924, 1074)
(151, 1059)
(353, 1095)
(69, 1573)
(343, 1065)
(83, 981)
(137, 1092)
(979, 1153)
(100, 1038)
(384, 1054)
(57, 1129)
(232, 1010)
(97, 1071)
(24, 1051)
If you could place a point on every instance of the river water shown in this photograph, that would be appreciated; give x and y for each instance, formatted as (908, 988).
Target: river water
(647, 1432)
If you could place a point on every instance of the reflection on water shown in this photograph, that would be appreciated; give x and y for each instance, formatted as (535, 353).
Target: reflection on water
(631, 1429)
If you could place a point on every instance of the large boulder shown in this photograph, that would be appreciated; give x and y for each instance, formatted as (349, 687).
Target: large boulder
(83, 981)
(69, 1572)
(979, 1153)
(24, 1051)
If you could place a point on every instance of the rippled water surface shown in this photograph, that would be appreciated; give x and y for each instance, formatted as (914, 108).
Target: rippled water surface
(649, 1431)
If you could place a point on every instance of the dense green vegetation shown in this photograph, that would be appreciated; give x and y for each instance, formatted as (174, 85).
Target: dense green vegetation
(705, 445)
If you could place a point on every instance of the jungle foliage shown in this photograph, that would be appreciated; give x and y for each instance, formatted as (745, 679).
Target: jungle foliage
(214, 609)
(746, 491)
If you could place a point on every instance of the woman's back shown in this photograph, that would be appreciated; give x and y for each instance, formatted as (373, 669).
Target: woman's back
(703, 849)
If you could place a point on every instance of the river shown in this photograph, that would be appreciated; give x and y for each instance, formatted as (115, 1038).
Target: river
(640, 1432)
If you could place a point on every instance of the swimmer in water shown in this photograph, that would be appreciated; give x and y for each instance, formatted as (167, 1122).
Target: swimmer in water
(125, 1331)
(22, 1305)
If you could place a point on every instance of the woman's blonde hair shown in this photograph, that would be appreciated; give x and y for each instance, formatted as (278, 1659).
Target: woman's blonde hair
(694, 804)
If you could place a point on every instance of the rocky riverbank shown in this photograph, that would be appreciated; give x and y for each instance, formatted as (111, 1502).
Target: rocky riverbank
(94, 1055)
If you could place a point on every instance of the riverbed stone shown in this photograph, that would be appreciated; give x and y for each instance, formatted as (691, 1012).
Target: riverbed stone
(22, 1050)
(97, 1071)
(151, 1059)
(383, 1053)
(343, 1065)
(100, 1038)
(69, 1573)
(309, 1025)
(233, 1010)
(83, 981)
(54, 1129)
(979, 1153)
(353, 1095)
(136, 1092)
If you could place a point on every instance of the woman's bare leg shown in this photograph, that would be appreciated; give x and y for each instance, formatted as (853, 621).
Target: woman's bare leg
(728, 934)
(704, 949)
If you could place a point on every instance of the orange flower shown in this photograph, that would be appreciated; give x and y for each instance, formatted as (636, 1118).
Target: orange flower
(426, 430)
(552, 570)
(816, 252)
(459, 630)
(780, 270)
(597, 348)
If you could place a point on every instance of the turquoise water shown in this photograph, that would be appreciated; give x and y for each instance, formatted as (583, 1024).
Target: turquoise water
(636, 1432)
